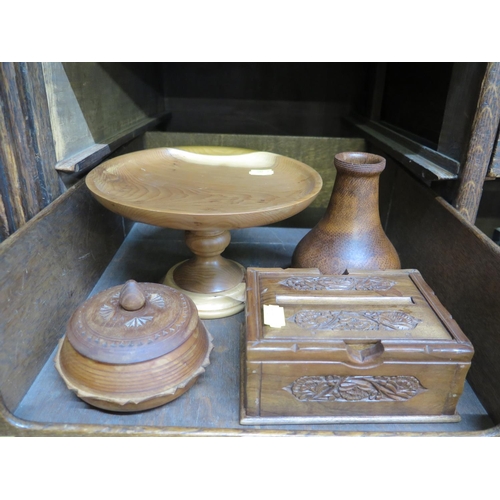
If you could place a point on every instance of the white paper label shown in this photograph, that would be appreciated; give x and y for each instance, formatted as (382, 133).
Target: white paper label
(274, 316)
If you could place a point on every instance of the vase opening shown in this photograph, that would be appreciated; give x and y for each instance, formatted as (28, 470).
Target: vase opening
(359, 158)
(359, 163)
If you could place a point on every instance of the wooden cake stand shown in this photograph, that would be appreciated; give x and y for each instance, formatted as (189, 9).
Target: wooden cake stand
(205, 191)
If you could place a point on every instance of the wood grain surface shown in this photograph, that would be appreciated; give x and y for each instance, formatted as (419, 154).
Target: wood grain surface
(350, 350)
(47, 268)
(461, 103)
(317, 152)
(85, 159)
(461, 264)
(350, 234)
(135, 386)
(208, 272)
(495, 161)
(184, 190)
(102, 330)
(91, 103)
(211, 406)
(205, 193)
(482, 142)
(27, 156)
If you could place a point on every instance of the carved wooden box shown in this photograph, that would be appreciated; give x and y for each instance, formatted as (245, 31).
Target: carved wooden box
(363, 347)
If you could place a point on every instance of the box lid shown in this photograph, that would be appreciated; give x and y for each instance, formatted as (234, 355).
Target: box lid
(363, 307)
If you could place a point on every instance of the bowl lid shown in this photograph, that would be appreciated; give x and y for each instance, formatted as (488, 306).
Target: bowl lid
(132, 323)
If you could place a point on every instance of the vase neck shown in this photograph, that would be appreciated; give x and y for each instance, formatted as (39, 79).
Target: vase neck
(355, 198)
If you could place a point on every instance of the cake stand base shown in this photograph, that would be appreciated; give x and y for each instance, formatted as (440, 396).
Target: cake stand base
(213, 305)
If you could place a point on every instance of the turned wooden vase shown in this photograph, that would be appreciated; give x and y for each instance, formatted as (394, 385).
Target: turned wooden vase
(133, 347)
(350, 235)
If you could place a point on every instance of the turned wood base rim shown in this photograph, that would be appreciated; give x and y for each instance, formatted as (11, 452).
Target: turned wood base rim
(132, 403)
(213, 305)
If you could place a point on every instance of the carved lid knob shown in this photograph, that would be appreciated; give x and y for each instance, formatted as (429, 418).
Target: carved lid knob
(131, 323)
(131, 297)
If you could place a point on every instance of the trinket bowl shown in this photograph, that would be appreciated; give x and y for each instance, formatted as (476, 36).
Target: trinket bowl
(133, 347)
(370, 346)
(205, 191)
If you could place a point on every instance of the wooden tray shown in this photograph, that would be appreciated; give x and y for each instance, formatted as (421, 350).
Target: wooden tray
(63, 255)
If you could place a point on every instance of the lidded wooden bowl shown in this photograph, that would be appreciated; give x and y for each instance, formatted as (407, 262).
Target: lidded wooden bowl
(133, 347)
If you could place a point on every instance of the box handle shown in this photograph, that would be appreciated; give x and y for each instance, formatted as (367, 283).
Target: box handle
(365, 353)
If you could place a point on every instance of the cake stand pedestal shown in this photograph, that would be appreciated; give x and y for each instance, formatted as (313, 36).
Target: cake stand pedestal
(215, 284)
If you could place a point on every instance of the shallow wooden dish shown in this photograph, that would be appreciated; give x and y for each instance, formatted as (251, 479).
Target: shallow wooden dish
(206, 191)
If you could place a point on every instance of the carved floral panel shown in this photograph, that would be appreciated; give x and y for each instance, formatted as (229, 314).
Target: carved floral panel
(338, 283)
(355, 388)
(354, 320)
